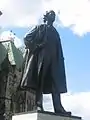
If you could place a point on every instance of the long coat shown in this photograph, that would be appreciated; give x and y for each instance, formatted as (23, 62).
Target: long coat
(44, 61)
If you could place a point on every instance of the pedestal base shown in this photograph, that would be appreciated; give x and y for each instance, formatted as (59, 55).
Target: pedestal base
(37, 115)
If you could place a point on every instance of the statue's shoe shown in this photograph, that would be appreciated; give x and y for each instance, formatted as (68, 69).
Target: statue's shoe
(40, 109)
(65, 113)
(62, 111)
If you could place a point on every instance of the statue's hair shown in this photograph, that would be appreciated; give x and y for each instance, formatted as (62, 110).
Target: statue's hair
(49, 16)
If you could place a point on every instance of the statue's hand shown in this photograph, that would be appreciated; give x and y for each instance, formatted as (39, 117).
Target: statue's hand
(39, 47)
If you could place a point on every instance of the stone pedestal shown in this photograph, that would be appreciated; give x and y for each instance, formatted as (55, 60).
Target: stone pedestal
(37, 115)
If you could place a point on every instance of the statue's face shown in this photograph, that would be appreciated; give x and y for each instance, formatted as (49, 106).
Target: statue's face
(51, 16)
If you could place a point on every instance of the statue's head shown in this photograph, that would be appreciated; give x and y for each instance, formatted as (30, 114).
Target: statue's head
(49, 17)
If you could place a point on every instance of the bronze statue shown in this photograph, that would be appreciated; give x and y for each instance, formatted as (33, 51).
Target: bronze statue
(44, 69)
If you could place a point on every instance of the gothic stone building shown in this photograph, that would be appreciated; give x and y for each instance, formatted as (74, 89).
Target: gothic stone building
(11, 99)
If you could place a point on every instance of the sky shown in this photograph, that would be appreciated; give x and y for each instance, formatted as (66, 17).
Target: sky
(73, 24)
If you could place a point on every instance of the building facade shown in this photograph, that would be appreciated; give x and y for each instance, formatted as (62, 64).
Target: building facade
(12, 100)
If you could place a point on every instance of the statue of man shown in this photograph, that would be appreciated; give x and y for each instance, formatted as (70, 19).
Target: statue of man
(44, 69)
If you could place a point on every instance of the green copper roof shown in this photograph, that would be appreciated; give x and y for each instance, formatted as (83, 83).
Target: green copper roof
(14, 55)
(3, 53)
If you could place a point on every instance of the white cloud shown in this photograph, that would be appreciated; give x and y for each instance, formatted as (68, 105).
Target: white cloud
(78, 104)
(20, 12)
(73, 13)
(8, 35)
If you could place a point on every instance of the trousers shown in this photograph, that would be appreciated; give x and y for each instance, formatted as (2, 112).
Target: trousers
(56, 98)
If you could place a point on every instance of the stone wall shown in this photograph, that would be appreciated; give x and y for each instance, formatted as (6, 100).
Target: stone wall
(11, 100)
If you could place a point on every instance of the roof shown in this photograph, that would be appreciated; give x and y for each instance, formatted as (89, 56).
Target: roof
(15, 56)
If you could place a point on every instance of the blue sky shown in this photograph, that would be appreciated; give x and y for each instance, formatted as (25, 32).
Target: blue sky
(77, 58)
